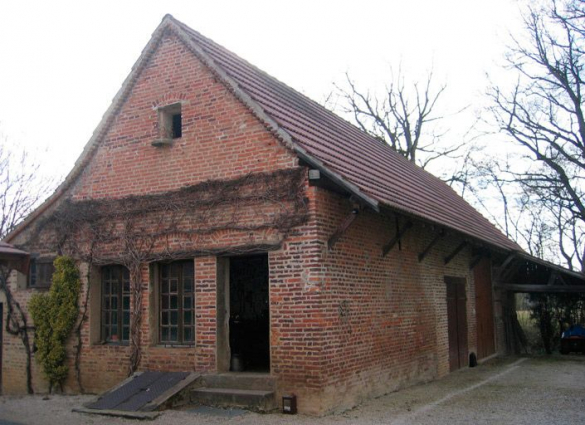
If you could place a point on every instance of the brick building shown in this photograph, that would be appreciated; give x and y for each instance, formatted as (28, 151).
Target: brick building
(219, 216)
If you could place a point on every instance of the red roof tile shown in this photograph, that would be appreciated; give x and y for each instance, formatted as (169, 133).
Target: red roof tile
(376, 169)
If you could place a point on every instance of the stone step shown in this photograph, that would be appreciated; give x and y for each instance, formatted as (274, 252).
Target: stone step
(256, 400)
(240, 381)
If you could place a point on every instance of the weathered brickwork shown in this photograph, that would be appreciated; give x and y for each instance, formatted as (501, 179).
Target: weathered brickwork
(384, 320)
(345, 324)
(221, 138)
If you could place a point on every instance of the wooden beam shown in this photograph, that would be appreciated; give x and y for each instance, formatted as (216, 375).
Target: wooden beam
(502, 267)
(343, 227)
(513, 287)
(552, 278)
(475, 261)
(457, 250)
(430, 246)
(388, 247)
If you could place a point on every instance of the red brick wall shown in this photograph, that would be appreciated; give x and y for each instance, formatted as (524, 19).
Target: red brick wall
(221, 138)
(382, 321)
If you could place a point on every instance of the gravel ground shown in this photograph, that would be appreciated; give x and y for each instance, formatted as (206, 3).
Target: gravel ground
(507, 391)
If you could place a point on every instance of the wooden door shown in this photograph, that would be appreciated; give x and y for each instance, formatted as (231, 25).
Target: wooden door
(484, 309)
(457, 322)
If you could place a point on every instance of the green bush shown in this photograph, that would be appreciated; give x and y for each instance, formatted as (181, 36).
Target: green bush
(54, 315)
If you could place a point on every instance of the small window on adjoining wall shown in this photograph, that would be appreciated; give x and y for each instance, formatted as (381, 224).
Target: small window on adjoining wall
(170, 122)
(40, 273)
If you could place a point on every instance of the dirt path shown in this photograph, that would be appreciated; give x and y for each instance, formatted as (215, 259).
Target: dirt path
(508, 391)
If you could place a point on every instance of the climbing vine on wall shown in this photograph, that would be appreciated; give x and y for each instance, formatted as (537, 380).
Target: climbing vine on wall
(136, 230)
(17, 323)
(54, 315)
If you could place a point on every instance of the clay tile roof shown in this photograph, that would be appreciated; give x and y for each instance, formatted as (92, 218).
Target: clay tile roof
(377, 170)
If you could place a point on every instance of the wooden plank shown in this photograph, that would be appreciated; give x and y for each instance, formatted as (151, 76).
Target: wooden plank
(430, 246)
(388, 247)
(457, 250)
(484, 309)
(542, 288)
(119, 413)
(462, 324)
(164, 397)
(452, 326)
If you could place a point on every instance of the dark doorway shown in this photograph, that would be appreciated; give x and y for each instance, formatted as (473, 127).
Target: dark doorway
(457, 322)
(484, 309)
(249, 312)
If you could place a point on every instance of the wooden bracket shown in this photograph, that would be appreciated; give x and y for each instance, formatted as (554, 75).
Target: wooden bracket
(343, 227)
(552, 278)
(457, 250)
(430, 246)
(503, 266)
(399, 233)
(475, 261)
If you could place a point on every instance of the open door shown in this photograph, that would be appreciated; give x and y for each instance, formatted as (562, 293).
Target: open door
(249, 323)
(243, 315)
(457, 322)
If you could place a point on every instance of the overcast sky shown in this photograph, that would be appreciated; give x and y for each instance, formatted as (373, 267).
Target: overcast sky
(62, 62)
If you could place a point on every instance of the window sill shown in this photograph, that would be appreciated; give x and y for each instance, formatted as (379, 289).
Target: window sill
(112, 344)
(162, 142)
(175, 345)
(39, 288)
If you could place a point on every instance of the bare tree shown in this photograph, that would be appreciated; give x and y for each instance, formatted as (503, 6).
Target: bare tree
(543, 114)
(21, 186)
(404, 117)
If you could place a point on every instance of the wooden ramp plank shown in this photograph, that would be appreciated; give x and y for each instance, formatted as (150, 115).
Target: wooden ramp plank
(143, 390)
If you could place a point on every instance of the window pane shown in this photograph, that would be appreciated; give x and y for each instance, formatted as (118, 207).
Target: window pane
(114, 309)
(188, 285)
(187, 303)
(188, 334)
(176, 301)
